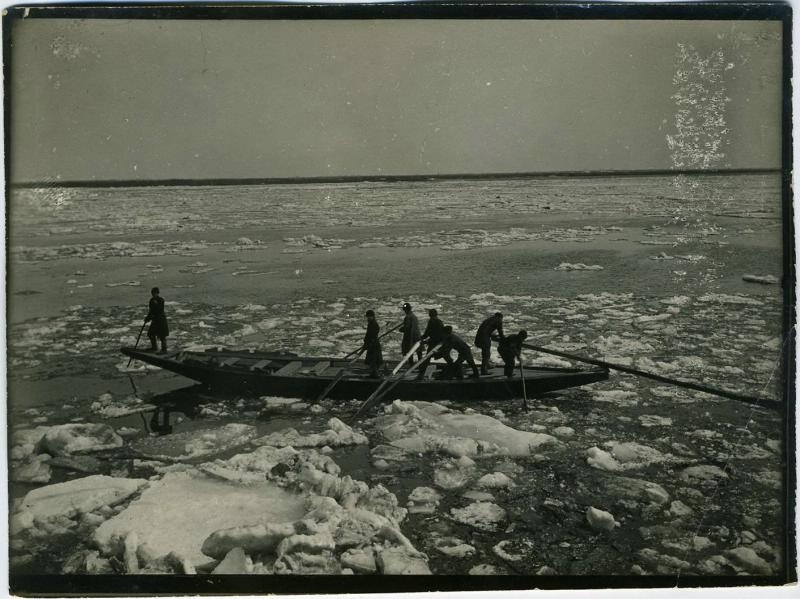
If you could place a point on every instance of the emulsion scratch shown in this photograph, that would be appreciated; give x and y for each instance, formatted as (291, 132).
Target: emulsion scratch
(701, 100)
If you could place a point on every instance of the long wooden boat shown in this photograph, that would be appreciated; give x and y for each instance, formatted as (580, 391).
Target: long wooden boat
(288, 375)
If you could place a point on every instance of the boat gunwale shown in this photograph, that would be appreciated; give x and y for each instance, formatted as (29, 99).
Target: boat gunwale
(151, 358)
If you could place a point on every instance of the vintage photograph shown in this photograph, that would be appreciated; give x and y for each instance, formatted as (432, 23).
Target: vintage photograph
(338, 291)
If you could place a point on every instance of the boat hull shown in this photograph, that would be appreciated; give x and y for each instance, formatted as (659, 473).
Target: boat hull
(235, 370)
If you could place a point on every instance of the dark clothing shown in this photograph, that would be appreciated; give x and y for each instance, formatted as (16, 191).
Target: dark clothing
(489, 326)
(509, 349)
(411, 335)
(454, 342)
(158, 320)
(434, 331)
(483, 339)
(374, 357)
(159, 329)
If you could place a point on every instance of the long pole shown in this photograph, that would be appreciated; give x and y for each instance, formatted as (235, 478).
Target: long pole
(524, 391)
(767, 403)
(137, 341)
(357, 353)
(406, 357)
(362, 348)
(392, 382)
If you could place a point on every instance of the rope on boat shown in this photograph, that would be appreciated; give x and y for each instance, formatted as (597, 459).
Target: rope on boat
(758, 401)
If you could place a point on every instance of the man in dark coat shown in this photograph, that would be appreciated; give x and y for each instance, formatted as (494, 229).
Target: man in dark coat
(158, 321)
(451, 341)
(411, 333)
(372, 344)
(510, 348)
(483, 339)
(434, 331)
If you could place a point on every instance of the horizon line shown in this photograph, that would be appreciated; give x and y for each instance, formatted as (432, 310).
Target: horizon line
(220, 181)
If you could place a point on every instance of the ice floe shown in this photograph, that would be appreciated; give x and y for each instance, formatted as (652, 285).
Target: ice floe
(75, 497)
(578, 266)
(425, 427)
(480, 514)
(454, 547)
(337, 434)
(174, 514)
(600, 519)
(196, 443)
(423, 500)
(495, 480)
(635, 489)
(63, 439)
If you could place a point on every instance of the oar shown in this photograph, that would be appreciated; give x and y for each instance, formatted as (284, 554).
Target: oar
(524, 391)
(406, 357)
(769, 403)
(357, 353)
(361, 349)
(137, 341)
(392, 383)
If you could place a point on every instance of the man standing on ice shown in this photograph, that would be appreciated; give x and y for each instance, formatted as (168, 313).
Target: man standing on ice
(483, 339)
(452, 341)
(411, 333)
(158, 321)
(372, 344)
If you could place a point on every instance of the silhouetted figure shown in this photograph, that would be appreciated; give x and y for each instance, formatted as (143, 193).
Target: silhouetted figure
(372, 344)
(434, 331)
(158, 321)
(483, 339)
(510, 349)
(411, 333)
(451, 341)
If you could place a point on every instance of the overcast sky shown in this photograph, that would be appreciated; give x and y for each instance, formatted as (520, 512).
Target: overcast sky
(113, 99)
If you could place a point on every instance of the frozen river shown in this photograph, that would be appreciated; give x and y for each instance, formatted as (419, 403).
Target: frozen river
(628, 269)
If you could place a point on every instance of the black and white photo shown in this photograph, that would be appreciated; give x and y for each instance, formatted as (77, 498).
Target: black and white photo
(501, 296)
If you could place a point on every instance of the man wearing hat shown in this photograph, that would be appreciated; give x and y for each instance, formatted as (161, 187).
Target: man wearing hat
(483, 339)
(372, 344)
(411, 333)
(510, 348)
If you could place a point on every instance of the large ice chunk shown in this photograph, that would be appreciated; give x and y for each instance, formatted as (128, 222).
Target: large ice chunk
(425, 427)
(81, 495)
(70, 438)
(336, 435)
(181, 510)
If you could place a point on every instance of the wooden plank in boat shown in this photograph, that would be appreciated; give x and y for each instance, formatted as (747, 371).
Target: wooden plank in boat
(333, 371)
(290, 368)
(228, 362)
(261, 365)
(319, 367)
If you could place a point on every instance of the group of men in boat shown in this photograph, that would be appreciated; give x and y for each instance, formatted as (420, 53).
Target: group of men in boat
(440, 341)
